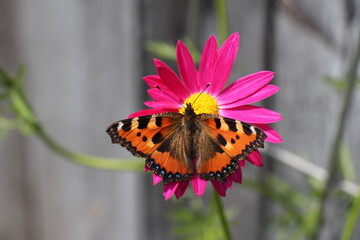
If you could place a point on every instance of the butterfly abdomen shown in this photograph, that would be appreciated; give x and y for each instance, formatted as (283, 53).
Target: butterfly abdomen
(192, 132)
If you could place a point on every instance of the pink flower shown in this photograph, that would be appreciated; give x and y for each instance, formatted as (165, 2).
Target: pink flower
(231, 101)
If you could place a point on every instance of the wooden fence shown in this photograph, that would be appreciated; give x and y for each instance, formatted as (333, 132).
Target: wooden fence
(84, 62)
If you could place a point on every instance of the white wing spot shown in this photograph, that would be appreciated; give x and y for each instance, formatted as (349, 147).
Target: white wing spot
(120, 125)
(253, 129)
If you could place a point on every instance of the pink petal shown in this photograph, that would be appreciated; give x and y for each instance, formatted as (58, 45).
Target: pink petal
(263, 93)
(149, 112)
(162, 105)
(164, 94)
(186, 67)
(199, 185)
(242, 163)
(181, 189)
(207, 62)
(251, 114)
(227, 54)
(169, 189)
(154, 80)
(156, 179)
(237, 176)
(146, 168)
(255, 158)
(219, 187)
(171, 80)
(245, 86)
(228, 183)
(158, 95)
(272, 135)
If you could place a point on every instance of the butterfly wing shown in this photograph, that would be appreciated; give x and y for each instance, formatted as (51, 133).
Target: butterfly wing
(233, 140)
(152, 137)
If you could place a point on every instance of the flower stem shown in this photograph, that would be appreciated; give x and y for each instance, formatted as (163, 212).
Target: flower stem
(220, 211)
(351, 219)
(222, 19)
(335, 148)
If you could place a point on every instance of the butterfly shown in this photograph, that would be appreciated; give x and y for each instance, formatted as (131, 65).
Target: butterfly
(177, 145)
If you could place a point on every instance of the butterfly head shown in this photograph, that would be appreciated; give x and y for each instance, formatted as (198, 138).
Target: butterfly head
(189, 110)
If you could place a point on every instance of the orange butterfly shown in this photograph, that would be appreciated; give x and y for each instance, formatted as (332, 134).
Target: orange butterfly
(171, 141)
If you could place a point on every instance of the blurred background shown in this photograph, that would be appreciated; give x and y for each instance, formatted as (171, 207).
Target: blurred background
(84, 62)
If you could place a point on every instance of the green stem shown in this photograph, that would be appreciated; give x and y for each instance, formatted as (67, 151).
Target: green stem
(335, 148)
(88, 160)
(351, 220)
(222, 19)
(220, 210)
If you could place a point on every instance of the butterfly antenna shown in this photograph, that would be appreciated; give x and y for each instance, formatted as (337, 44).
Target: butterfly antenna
(201, 93)
(156, 86)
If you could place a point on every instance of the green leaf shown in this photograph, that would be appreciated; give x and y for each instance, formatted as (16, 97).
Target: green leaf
(222, 19)
(317, 187)
(7, 124)
(339, 83)
(12, 82)
(4, 95)
(308, 225)
(168, 51)
(161, 49)
(193, 50)
(346, 167)
(5, 78)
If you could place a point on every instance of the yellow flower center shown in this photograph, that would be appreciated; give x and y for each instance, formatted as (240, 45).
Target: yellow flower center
(204, 104)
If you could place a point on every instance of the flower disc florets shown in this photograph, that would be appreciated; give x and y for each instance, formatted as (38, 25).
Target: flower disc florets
(204, 103)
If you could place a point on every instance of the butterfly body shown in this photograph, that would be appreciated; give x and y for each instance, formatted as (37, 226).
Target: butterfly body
(176, 146)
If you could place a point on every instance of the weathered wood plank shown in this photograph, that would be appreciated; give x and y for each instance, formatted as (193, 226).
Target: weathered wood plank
(81, 61)
(12, 185)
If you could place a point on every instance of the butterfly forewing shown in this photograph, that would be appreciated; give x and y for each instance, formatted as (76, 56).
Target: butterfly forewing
(140, 135)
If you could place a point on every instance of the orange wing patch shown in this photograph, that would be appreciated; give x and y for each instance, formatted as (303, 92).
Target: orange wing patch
(234, 141)
(238, 139)
(141, 135)
(218, 167)
(167, 167)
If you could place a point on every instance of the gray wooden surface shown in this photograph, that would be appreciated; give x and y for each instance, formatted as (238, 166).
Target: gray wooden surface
(81, 60)
(84, 62)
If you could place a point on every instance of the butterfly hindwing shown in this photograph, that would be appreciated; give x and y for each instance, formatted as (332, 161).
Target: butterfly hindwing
(169, 168)
(236, 139)
(218, 167)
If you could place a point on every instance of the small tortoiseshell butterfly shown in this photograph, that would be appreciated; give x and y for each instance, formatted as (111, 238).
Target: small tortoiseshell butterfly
(171, 141)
